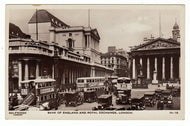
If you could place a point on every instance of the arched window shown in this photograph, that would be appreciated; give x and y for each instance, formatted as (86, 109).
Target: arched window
(70, 43)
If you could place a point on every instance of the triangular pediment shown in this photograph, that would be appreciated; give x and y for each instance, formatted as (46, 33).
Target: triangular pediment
(159, 43)
(95, 32)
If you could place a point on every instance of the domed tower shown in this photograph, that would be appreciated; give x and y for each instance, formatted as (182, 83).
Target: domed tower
(176, 32)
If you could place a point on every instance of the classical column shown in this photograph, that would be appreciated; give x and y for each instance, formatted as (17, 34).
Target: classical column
(148, 68)
(141, 73)
(19, 73)
(171, 67)
(163, 68)
(37, 69)
(72, 75)
(134, 74)
(87, 41)
(155, 64)
(26, 70)
(53, 70)
(179, 67)
(141, 61)
(155, 81)
(52, 35)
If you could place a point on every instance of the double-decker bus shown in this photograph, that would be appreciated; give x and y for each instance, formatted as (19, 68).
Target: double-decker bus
(124, 83)
(123, 90)
(92, 87)
(38, 91)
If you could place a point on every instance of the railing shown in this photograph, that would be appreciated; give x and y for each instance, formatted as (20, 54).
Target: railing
(30, 50)
(20, 46)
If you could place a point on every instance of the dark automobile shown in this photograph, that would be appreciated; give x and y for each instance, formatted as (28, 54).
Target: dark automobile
(169, 104)
(160, 105)
(137, 103)
(74, 98)
(149, 99)
(13, 101)
(123, 96)
(176, 92)
(104, 103)
(158, 94)
(166, 96)
(90, 96)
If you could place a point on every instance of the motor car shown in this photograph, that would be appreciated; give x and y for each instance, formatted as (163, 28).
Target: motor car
(176, 92)
(158, 94)
(74, 98)
(149, 99)
(169, 104)
(160, 105)
(123, 96)
(90, 96)
(104, 103)
(137, 103)
(166, 95)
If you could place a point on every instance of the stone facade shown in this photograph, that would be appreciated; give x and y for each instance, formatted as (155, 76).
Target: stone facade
(56, 51)
(158, 61)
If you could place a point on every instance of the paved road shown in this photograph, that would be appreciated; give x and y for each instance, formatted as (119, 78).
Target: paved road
(89, 106)
(176, 105)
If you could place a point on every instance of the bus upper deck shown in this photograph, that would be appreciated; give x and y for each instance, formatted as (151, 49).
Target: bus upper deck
(124, 83)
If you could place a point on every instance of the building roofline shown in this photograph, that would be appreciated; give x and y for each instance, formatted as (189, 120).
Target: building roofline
(157, 39)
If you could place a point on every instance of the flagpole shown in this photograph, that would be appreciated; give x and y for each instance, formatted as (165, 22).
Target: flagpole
(88, 17)
(160, 34)
(36, 24)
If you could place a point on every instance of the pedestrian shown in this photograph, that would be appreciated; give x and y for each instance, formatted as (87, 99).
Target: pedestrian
(158, 105)
(56, 104)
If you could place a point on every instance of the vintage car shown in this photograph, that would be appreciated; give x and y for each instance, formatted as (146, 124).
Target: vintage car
(13, 101)
(158, 94)
(160, 105)
(176, 92)
(90, 96)
(74, 98)
(137, 103)
(149, 99)
(169, 104)
(167, 95)
(104, 103)
(123, 96)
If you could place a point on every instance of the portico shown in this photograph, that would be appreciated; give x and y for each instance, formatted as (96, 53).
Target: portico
(158, 61)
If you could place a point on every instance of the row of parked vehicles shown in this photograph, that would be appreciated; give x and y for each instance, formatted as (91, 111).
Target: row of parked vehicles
(93, 89)
(97, 90)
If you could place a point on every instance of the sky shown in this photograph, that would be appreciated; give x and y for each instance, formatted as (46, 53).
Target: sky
(122, 26)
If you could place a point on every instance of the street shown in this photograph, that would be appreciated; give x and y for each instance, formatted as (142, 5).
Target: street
(89, 106)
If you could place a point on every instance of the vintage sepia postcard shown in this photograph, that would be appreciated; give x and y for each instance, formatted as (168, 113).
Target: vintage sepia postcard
(95, 62)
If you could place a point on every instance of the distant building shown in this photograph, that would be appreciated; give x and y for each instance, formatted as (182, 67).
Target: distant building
(157, 61)
(117, 60)
(111, 49)
(55, 50)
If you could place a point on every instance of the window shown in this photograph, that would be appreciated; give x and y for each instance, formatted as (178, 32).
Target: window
(85, 41)
(120, 81)
(42, 98)
(70, 34)
(127, 81)
(15, 48)
(81, 81)
(70, 42)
